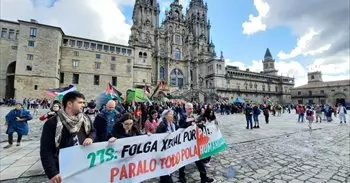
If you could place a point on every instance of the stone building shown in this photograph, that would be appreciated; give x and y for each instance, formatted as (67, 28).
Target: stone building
(35, 57)
(177, 51)
(316, 91)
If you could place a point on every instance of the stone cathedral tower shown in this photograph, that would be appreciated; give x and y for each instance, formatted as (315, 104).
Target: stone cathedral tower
(143, 39)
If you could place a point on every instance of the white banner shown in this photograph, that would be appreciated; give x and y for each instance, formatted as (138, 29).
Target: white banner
(139, 158)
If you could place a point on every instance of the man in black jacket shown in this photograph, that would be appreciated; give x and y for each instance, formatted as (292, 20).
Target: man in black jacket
(187, 120)
(105, 121)
(68, 128)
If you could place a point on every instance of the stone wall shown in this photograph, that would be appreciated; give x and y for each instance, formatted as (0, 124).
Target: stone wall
(44, 63)
(8, 52)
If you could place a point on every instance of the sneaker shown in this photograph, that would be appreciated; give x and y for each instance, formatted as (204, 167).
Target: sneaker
(208, 179)
(18, 144)
(208, 165)
(8, 146)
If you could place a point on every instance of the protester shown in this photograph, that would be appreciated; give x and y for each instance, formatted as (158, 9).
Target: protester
(318, 111)
(248, 111)
(166, 126)
(68, 128)
(55, 107)
(310, 116)
(105, 121)
(342, 113)
(152, 123)
(17, 121)
(91, 110)
(256, 113)
(124, 128)
(187, 120)
(266, 114)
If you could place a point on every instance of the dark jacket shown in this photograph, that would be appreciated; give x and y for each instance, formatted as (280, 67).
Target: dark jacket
(163, 127)
(182, 122)
(100, 125)
(119, 131)
(49, 152)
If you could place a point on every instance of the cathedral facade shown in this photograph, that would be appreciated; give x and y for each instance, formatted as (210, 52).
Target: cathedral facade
(177, 51)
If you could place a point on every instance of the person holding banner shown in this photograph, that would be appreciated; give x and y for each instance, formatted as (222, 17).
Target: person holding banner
(186, 120)
(68, 128)
(166, 126)
(105, 121)
(124, 128)
(152, 123)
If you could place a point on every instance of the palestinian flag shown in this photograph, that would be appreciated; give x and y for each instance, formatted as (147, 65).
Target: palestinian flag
(58, 93)
(112, 93)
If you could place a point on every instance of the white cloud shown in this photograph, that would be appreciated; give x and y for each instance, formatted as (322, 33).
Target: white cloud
(255, 24)
(322, 28)
(302, 47)
(285, 68)
(94, 19)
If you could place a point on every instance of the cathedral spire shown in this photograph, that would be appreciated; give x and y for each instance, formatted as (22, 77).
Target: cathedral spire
(268, 54)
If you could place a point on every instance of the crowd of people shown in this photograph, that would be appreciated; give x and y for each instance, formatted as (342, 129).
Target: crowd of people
(75, 122)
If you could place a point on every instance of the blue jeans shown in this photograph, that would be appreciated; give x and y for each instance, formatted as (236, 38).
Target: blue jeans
(301, 118)
(249, 121)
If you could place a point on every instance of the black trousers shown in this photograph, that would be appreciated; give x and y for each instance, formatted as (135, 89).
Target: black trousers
(267, 118)
(206, 160)
(10, 138)
(200, 167)
(165, 179)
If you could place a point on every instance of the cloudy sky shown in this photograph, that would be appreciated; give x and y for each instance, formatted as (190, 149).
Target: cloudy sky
(302, 35)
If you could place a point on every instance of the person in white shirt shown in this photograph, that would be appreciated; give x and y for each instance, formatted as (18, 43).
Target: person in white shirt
(342, 113)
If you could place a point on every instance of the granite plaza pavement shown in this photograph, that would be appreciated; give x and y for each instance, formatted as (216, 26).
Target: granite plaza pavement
(282, 151)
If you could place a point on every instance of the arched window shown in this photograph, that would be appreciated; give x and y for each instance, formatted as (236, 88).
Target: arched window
(144, 55)
(140, 54)
(177, 78)
(161, 73)
(177, 54)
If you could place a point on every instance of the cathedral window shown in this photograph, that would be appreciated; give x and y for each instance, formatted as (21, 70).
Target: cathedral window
(161, 73)
(177, 39)
(176, 78)
(140, 54)
(144, 55)
(177, 54)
